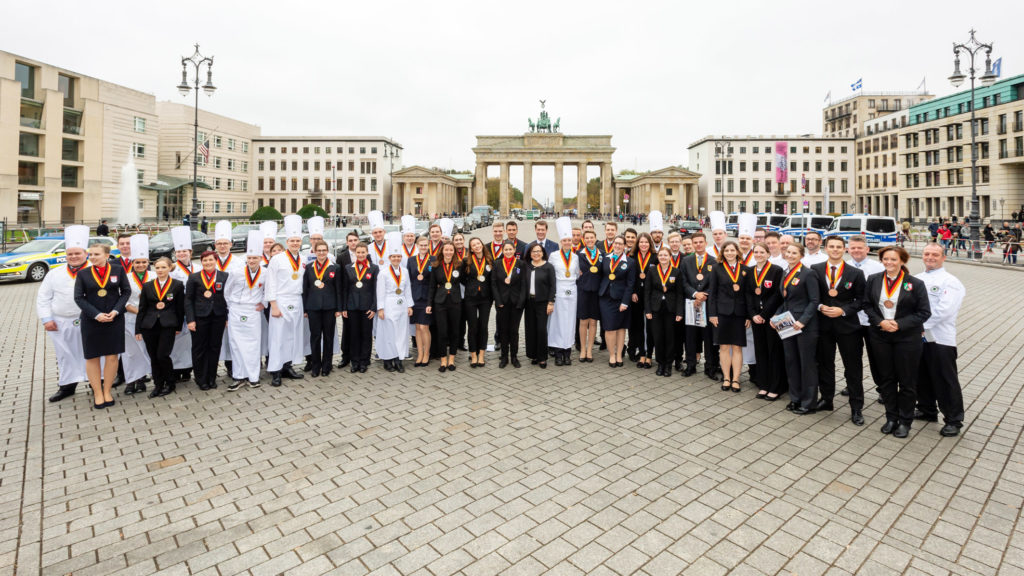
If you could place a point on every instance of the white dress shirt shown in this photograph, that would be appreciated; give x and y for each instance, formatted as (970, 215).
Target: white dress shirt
(868, 267)
(816, 258)
(945, 295)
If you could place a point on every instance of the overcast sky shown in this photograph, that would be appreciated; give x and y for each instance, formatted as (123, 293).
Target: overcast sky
(657, 76)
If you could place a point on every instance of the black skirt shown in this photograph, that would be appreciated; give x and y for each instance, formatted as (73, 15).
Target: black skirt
(611, 317)
(419, 315)
(731, 331)
(588, 306)
(102, 338)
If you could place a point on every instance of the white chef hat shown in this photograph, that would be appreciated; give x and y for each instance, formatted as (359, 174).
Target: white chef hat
(657, 221)
(293, 226)
(315, 224)
(254, 243)
(564, 226)
(408, 224)
(746, 224)
(394, 243)
(182, 237)
(76, 236)
(376, 219)
(717, 220)
(140, 246)
(268, 228)
(447, 225)
(222, 231)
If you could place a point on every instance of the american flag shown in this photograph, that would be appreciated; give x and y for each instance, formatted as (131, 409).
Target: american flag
(204, 149)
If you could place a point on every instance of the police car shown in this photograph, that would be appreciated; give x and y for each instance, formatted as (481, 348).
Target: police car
(770, 222)
(798, 225)
(33, 260)
(879, 231)
(732, 226)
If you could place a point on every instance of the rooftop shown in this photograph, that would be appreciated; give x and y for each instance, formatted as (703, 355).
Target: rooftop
(769, 137)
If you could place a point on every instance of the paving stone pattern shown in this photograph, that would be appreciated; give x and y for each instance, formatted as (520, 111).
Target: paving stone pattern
(580, 470)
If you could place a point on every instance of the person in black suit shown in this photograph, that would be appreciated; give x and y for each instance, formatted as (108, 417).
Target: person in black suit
(618, 278)
(476, 306)
(507, 288)
(420, 269)
(511, 233)
(206, 312)
(727, 312)
(800, 298)
(641, 336)
(664, 307)
(764, 296)
(540, 228)
(897, 307)
(344, 258)
(321, 296)
(841, 288)
(539, 288)
(102, 292)
(358, 303)
(697, 269)
(161, 314)
(588, 302)
(445, 303)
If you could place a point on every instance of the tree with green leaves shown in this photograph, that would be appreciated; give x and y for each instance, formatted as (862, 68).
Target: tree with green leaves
(310, 210)
(266, 213)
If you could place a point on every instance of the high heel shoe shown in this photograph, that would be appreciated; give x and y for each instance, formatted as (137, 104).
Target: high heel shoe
(736, 388)
(442, 368)
(618, 364)
(725, 385)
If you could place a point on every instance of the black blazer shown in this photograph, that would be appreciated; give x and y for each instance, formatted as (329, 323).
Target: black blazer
(625, 279)
(602, 247)
(690, 282)
(327, 298)
(767, 303)
(438, 293)
(173, 314)
(722, 297)
(912, 306)
(850, 290)
(521, 250)
(359, 299)
(420, 288)
(548, 245)
(511, 293)
(802, 297)
(589, 281)
(92, 304)
(197, 305)
(476, 290)
(657, 300)
(647, 271)
(543, 282)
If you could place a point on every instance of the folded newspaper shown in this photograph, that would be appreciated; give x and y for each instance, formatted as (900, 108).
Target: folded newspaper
(785, 324)
(696, 313)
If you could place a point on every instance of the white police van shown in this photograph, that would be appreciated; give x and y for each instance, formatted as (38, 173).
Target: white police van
(732, 227)
(879, 231)
(798, 225)
(771, 222)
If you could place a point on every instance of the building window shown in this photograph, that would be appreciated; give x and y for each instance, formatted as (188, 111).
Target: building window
(138, 150)
(231, 184)
(216, 206)
(26, 75)
(216, 141)
(373, 184)
(245, 148)
(140, 176)
(231, 143)
(362, 150)
(231, 164)
(140, 125)
(216, 161)
(245, 166)
(216, 183)
(351, 184)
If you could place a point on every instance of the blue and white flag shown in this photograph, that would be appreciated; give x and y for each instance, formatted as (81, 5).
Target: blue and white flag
(997, 67)
(828, 96)
(857, 85)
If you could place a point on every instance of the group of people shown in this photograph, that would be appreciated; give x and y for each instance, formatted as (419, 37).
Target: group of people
(780, 307)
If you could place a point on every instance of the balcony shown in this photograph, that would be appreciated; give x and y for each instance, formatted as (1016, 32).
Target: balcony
(72, 122)
(28, 144)
(31, 114)
(28, 173)
(1018, 126)
(69, 177)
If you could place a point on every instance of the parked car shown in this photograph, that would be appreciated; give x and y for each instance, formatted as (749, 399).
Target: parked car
(240, 236)
(770, 222)
(460, 225)
(797, 225)
(879, 231)
(33, 260)
(162, 245)
(337, 238)
(687, 227)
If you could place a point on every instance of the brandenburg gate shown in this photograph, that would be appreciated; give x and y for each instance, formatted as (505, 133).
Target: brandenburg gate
(544, 145)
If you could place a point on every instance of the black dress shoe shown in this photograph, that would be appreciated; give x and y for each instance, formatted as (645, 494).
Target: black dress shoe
(824, 405)
(660, 370)
(918, 415)
(129, 389)
(503, 362)
(362, 368)
(542, 364)
(801, 411)
(618, 364)
(888, 427)
(63, 392)
(451, 367)
(668, 369)
(291, 374)
(515, 362)
(326, 370)
(99, 406)
(558, 359)
(354, 368)
(791, 406)
(845, 392)
(275, 379)
(109, 403)
(344, 362)
(399, 367)
(901, 431)
(857, 418)
(679, 367)
(157, 391)
(688, 371)
(950, 430)
(140, 386)
(315, 372)
(771, 398)
(443, 368)
(533, 361)
(308, 367)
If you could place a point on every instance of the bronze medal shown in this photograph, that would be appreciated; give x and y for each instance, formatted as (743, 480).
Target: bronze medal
(889, 304)
(398, 291)
(447, 285)
(359, 284)
(757, 291)
(593, 269)
(508, 280)
(295, 275)
(160, 305)
(833, 293)
(101, 292)
(735, 287)
(419, 277)
(207, 294)
(611, 276)
(783, 292)
(380, 262)
(700, 277)
(642, 275)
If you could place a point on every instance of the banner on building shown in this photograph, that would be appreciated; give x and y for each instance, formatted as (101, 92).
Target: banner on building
(781, 162)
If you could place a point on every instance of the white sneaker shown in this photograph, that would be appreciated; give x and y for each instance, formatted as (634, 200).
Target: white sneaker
(235, 385)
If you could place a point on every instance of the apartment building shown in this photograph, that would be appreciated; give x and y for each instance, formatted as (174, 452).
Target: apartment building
(877, 165)
(846, 117)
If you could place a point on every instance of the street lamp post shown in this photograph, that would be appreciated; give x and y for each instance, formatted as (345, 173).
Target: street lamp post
(197, 60)
(972, 48)
(722, 155)
(390, 154)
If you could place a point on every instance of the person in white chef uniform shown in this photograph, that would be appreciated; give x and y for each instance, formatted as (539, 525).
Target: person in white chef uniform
(246, 297)
(746, 225)
(181, 354)
(135, 359)
(284, 294)
(562, 321)
(226, 262)
(394, 306)
(56, 308)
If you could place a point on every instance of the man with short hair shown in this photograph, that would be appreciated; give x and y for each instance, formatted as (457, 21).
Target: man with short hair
(759, 235)
(497, 239)
(124, 247)
(512, 230)
(696, 286)
(577, 239)
(379, 246)
(103, 229)
(60, 315)
(814, 255)
(773, 240)
(540, 227)
(585, 226)
(284, 294)
(857, 248)
(685, 245)
(611, 230)
(938, 383)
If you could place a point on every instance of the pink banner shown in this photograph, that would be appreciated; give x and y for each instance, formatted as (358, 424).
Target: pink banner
(781, 162)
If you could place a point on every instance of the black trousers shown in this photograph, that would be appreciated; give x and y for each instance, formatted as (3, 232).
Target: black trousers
(939, 383)
(206, 342)
(447, 317)
(641, 333)
(851, 350)
(159, 342)
(346, 336)
(477, 314)
(872, 363)
(360, 336)
(679, 341)
(322, 327)
(662, 328)
(771, 373)
(536, 314)
(898, 359)
(705, 337)
(801, 353)
(508, 321)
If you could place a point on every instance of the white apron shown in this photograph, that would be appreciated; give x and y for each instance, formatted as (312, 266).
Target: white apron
(181, 353)
(392, 333)
(248, 337)
(562, 321)
(285, 333)
(67, 343)
(748, 350)
(135, 359)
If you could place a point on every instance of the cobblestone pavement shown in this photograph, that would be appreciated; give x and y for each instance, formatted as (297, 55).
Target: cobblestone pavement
(575, 470)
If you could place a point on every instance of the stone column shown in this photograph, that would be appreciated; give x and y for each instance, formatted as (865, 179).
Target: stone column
(406, 198)
(607, 197)
(527, 185)
(559, 169)
(480, 185)
(503, 189)
(581, 187)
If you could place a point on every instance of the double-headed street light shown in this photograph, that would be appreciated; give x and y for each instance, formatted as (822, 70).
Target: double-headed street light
(973, 48)
(197, 60)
